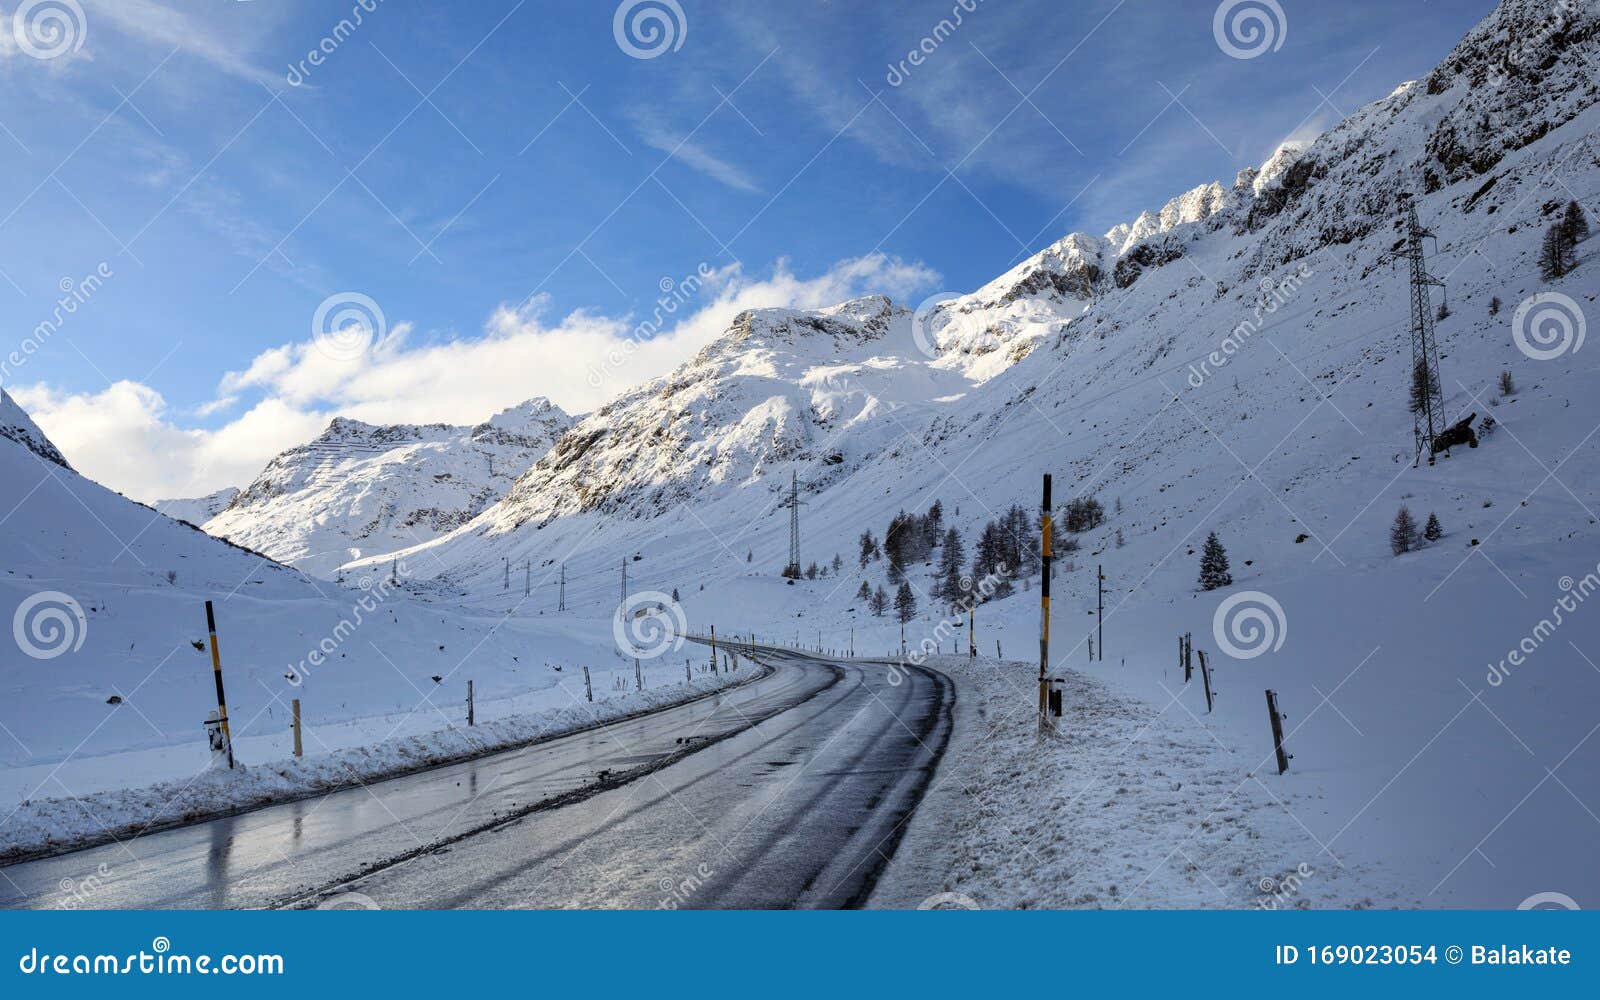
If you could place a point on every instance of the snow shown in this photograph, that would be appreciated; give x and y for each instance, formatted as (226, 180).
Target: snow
(361, 489)
(1237, 362)
(199, 510)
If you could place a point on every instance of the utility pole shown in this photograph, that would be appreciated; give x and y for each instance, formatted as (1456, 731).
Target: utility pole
(1046, 529)
(1427, 392)
(1100, 609)
(794, 503)
(563, 603)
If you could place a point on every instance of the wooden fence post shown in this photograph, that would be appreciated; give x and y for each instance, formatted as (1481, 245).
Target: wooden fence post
(1205, 674)
(298, 751)
(471, 717)
(1277, 731)
(588, 688)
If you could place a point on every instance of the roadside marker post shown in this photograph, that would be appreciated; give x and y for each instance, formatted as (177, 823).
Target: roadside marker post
(1046, 529)
(216, 673)
(1277, 717)
(471, 711)
(298, 750)
(638, 675)
(588, 688)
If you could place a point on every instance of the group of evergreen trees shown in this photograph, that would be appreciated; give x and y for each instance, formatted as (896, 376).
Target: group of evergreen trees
(1404, 536)
(1558, 254)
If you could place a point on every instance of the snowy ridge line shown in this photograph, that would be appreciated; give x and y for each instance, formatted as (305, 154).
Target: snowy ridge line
(49, 827)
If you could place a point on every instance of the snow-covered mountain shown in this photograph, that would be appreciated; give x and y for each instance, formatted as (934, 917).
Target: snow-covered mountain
(361, 490)
(16, 425)
(1079, 358)
(199, 510)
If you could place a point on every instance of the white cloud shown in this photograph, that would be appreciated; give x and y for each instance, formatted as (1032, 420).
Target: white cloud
(164, 27)
(123, 438)
(126, 438)
(696, 157)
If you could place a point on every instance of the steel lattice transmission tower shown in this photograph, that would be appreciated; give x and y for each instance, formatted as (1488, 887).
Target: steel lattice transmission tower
(794, 503)
(1428, 394)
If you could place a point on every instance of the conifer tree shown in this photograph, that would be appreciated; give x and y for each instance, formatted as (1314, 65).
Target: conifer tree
(905, 603)
(1214, 565)
(1434, 530)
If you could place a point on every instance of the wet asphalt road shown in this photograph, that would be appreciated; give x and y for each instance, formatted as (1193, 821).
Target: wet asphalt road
(790, 791)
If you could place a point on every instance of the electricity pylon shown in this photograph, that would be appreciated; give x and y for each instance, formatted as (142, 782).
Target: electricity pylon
(1427, 387)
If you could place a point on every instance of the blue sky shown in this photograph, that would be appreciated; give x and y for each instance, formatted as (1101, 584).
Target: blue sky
(511, 188)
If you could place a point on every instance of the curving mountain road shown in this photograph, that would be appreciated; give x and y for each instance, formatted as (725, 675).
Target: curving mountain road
(790, 791)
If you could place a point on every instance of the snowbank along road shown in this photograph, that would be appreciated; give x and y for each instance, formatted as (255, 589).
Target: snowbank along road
(790, 791)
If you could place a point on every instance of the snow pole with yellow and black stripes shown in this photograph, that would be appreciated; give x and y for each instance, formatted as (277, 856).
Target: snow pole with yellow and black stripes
(216, 672)
(1046, 529)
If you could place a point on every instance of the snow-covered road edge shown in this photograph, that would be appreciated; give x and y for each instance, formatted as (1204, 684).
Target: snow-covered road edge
(40, 828)
(1136, 805)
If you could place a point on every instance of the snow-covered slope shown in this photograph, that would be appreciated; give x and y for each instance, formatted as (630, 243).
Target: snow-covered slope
(1238, 363)
(361, 490)
(199, 510)
(105, 674)
(17, 426)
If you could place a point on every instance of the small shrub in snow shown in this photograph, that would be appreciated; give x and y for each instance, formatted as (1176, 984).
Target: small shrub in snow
(1433, 531)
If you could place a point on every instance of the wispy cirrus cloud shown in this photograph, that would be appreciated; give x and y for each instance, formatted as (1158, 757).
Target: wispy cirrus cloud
(692, 154)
